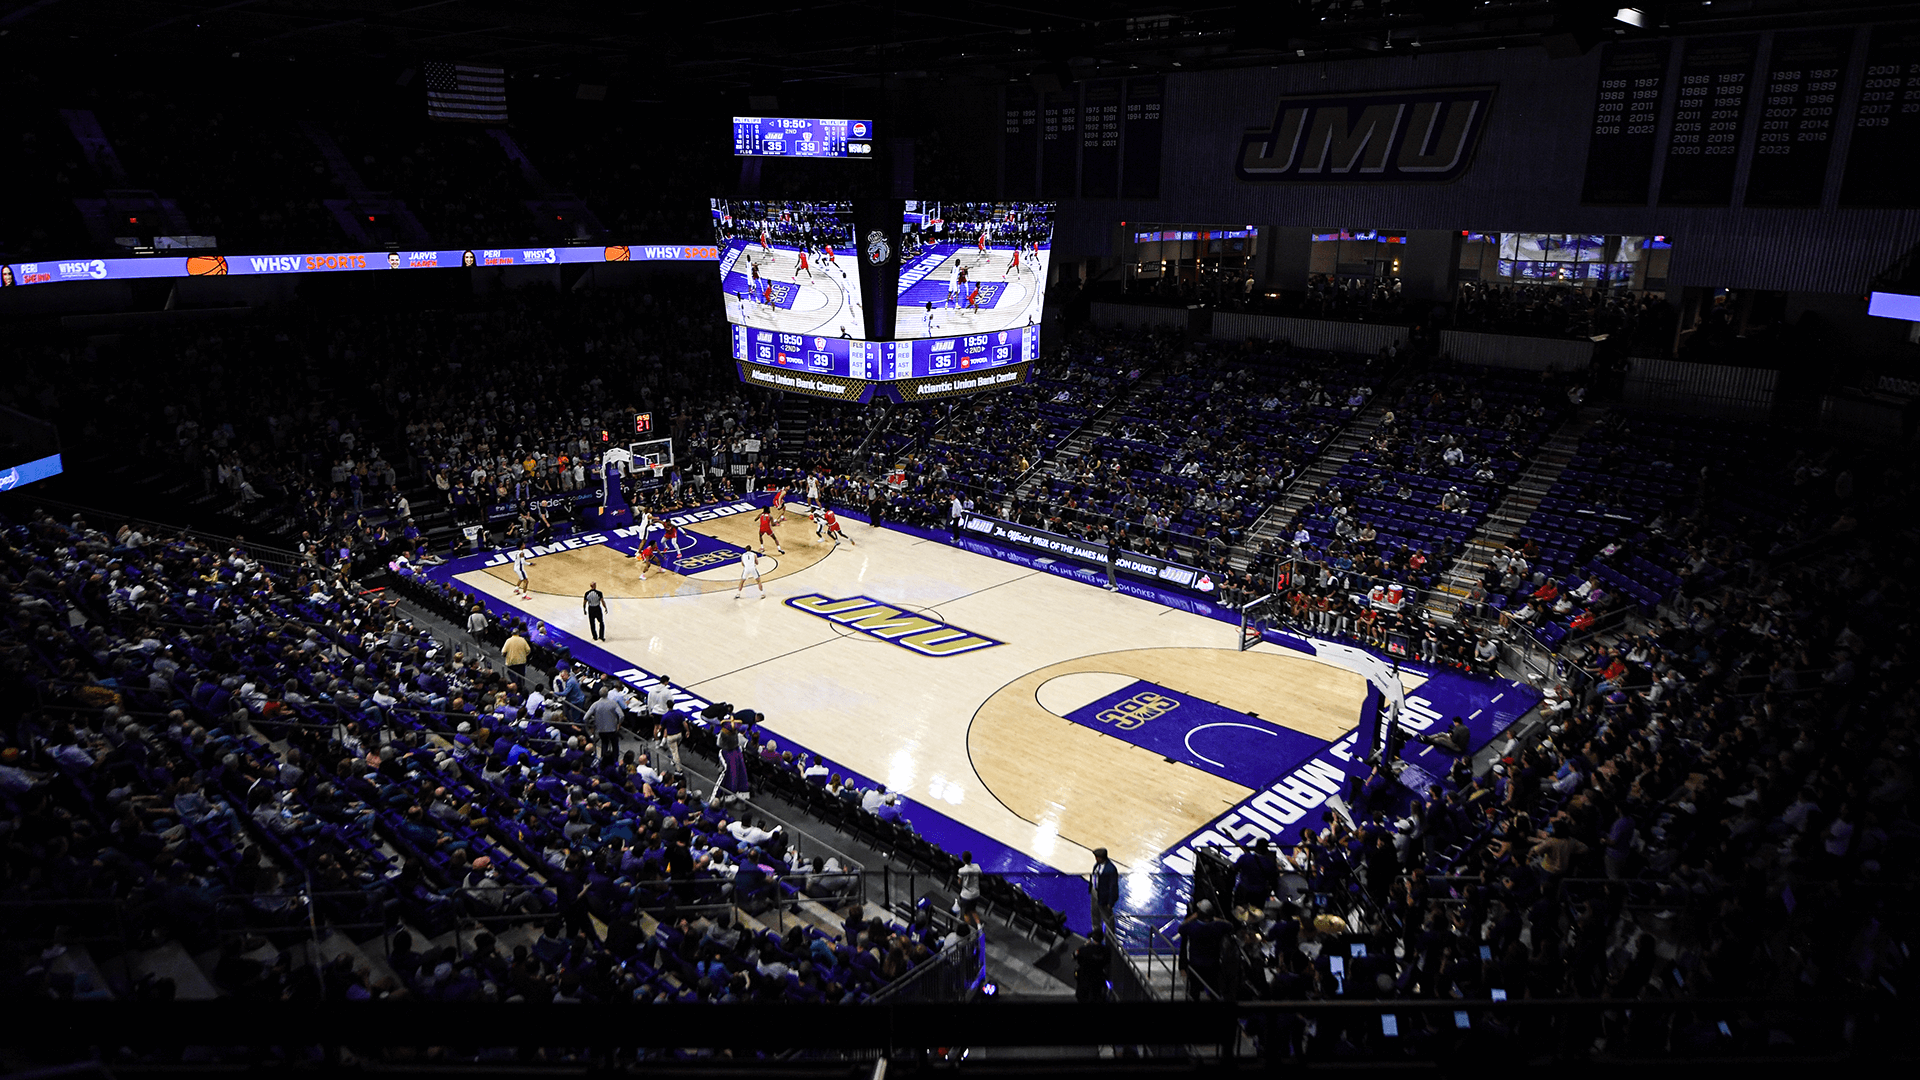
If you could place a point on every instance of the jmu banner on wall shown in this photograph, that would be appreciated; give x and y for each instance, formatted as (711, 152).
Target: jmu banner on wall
(1402, 136)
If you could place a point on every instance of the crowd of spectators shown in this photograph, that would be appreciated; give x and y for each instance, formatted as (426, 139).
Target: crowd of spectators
(239, 169)
(218, 753)
(456, 179)
(315, 422)
(243, 170)
(1643, 319)
(1190, 465)
(1401, 509)
(1721, 804)
(48, 170)
(659, 194)
(986, 444)
(1731, 744)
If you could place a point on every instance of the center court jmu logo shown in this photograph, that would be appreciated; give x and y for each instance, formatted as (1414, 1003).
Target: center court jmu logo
(928, 637)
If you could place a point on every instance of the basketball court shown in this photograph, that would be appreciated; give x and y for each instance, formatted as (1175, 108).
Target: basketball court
(1021, 712)
(823, 299)
(1009, 298)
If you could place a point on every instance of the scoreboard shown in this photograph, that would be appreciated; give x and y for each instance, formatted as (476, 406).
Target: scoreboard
(835, 278)
(780, 136)
(885, 361)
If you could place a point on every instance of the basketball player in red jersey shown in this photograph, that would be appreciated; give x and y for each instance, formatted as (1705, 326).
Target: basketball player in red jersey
(671, 539)
(766, 242)
(973, 299)
(803, 264)
(766, 530)
(1013, 262)
(647, 556)
(780, 505)
(833, 530)
(983, 241)
(827, 259)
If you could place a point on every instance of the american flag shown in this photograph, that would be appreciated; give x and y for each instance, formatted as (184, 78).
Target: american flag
(466, 92)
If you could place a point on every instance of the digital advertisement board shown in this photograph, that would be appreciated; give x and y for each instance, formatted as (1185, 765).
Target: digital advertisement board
(17, 476)
(123, 269)
(785, 136)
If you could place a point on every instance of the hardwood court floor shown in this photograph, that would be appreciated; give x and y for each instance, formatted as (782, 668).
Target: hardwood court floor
(569, 573)
(978, 736)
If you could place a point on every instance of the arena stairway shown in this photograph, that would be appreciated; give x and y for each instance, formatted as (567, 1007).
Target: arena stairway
(76, 965)
(1024, 971)
(172, 961)
(796, 423)
(1059, 462)
(1275, 522)
(1502, 526)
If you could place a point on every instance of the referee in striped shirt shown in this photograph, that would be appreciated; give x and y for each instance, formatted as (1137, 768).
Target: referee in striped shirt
(595, 605)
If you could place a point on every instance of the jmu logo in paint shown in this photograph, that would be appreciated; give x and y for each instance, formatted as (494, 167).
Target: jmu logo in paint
(925, 636)
(1137, 710)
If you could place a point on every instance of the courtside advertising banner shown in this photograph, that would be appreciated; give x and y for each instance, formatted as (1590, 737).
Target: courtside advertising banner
(1129, 562)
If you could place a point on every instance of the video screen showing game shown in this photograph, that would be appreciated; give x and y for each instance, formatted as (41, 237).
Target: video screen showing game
(790, 267)
(972, 267)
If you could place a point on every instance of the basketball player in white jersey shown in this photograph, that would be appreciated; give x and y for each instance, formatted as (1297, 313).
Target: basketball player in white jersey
(750, 568)
(521, 588)
(645, 523)
(813, 490)
(819, 523)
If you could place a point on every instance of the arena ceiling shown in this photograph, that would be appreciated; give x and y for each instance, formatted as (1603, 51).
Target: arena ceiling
(759, 47)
